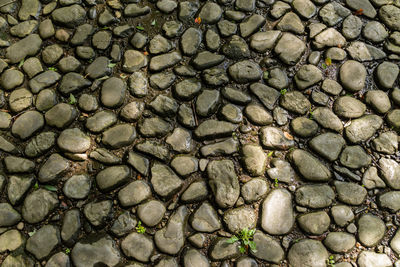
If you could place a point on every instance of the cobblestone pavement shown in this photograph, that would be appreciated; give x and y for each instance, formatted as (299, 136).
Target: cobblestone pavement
(199, 133)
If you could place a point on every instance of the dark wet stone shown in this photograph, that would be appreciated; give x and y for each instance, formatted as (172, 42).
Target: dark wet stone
(223, 182)
(134, 10)
(190, 41)
(20, 99)
(327, 119)
(70, 16)
(98, 68)
(124, 224)
(9, 216)
(18, 165)
(27, 124)
(205, 60)
(7, 146)
(221, 250)
(164, 106)
(38, 205)
(29, 46)
(245, 71)
(164, 180)
(164, 61)
(98, 212)
(390, 15)
(275, 138)
(151, 212)
(308, 252)
(251, 25)
(371, 230)
(328, 145)
(277, 216)
(73, 82)
(350, 193)
(205, 219)
(61, 115)
(187, 89)
(363, 128)
(113, 92)
(354, 157)
(112, 177)
(95, 249)
(81, 34)
(59, 259)
(267, 95)
(171, 238)
(289, 48)
(226, 147)
(212, 40)
(154, 127)
(139, 163)
(315, 196)
(119, 136)
(53, 168)
(296, 102)
(100, 121)
(43, 241)
(207, 102)
(17, 187)
(11, 79)
(77, 186)
(73, 140)
(390, 200)
(138, 246)
(196, 192)
(210, 13)
(155, 149)
(134, 193)
(309, 167)
(212, 128)
(349, 107)
(240, 218)
(304, 127)
(215, 77)
(138, 84)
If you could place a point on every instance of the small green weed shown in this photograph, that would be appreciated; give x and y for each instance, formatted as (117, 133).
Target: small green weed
(245, 236)
(283, 91)
(140, 229)
(266, 75)
(72, 99)
(276, 182)
(67, 251)
(50, 188)
(331, 261)
(21, 63)
(52, 68)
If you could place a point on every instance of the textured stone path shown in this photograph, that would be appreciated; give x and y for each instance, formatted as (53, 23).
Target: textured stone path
(150, 133)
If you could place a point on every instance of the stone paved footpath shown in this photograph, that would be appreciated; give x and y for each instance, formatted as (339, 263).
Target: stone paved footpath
(199, 133)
